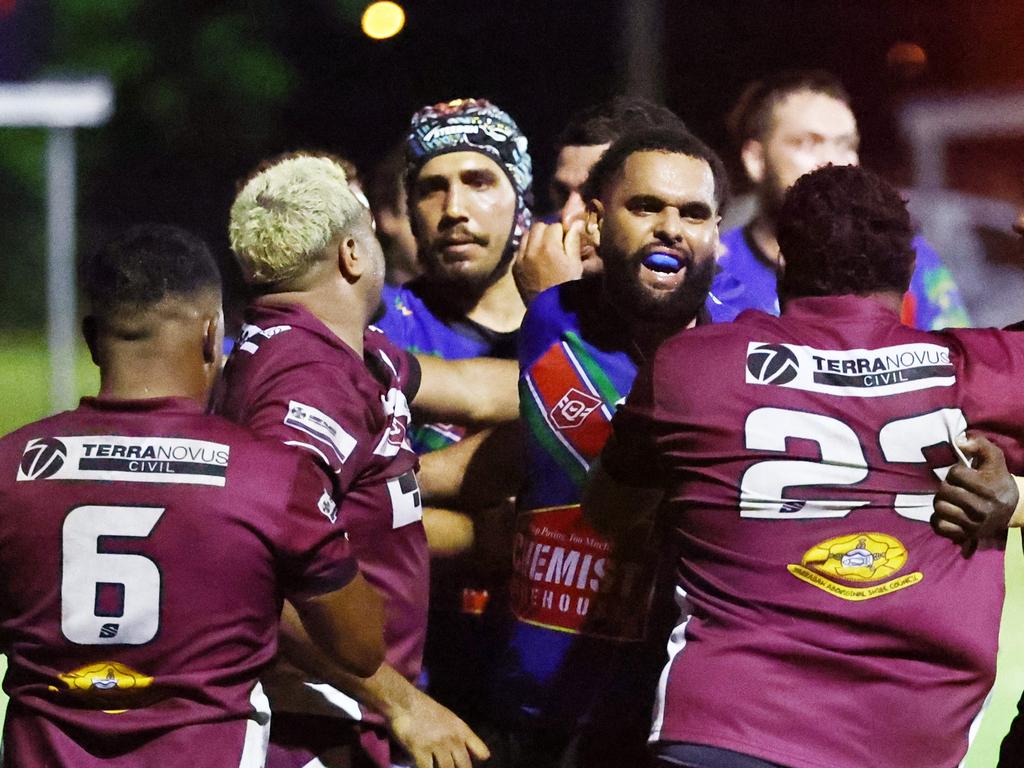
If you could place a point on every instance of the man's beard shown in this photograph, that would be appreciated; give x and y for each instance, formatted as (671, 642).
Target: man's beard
(623, 287)
(771, 195)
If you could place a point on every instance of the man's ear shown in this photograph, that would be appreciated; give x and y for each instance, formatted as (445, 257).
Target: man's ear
(752, 155)
(212, 340)
(89, 333)
(351, 259)
(592, 221)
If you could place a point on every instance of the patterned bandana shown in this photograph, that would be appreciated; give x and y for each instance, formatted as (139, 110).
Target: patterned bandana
(474, 125)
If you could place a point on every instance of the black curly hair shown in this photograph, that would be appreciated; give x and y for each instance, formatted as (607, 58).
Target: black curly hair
(605, 122)
(844, 230)
(673, 140)
(143, 266)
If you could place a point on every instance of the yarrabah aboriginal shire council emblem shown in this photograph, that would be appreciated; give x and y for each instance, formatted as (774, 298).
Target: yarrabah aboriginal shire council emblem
(107, 685)
(859, 566)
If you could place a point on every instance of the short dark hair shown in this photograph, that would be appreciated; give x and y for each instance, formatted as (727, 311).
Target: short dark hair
(605, 122)
(671, 140)
(146, 264)
(751, 117)
(386, 187)
(843, 229)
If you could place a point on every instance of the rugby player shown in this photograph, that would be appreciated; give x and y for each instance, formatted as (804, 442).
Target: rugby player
(556, 248)
(146, 545)
(468, 179)
(309, 372)
(822, 620)
(574, 682)
(786, 126)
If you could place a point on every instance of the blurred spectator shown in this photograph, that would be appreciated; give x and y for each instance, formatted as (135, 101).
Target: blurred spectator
(786, 126)
(389, 203)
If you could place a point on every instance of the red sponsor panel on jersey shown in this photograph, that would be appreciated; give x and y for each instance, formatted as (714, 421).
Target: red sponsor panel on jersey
(565, 578)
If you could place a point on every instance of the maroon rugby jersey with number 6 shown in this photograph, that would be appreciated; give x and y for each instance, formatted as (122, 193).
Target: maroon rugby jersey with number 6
(291, 378)
(144, 551)
(825, 625)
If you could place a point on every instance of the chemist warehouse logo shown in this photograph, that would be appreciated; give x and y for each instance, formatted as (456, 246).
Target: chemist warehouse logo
(850, 372)
(127, 459)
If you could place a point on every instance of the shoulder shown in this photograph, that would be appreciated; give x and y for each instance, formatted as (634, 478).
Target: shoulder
(560, 306)
(984, 344)
(400, 307)
(402, 365)
(734, 247)
(554, 312)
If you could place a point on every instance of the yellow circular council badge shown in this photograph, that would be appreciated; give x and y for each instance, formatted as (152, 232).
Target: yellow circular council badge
(858, 559)
(106, 683)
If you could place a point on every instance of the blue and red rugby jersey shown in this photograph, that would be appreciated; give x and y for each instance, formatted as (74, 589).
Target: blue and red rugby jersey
(409, 322)
(578, 624)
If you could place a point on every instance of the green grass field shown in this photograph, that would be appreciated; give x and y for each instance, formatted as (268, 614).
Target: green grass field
(23, 390)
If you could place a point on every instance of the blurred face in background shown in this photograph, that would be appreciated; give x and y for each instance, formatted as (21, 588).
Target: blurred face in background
(463, 206)
(807, 131)
(571, 171)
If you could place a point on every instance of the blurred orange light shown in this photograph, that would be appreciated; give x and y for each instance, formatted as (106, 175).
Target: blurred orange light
(383, 19)
(907, 59)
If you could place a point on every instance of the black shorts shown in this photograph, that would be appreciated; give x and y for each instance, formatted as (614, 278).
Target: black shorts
(673, 754)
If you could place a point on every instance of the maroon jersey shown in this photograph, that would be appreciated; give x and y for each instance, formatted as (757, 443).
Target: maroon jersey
(144, 552)
(824, 624)
(291, 378)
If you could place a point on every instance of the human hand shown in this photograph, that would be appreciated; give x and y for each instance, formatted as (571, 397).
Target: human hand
(979, 502)
(550, 254)
(434, 736)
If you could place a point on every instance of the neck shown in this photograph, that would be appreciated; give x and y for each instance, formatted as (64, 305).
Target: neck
(762, 231)
(331, 307)
(151, 369)
(892, 300)
(500, 308)
(647, 335)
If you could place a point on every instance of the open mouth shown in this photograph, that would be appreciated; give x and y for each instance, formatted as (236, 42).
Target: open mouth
(660, 261)
(663, 270)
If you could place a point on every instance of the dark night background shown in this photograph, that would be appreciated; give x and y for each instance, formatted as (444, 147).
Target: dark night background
(206, 89)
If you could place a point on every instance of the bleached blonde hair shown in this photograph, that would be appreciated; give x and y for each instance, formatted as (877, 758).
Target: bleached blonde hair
(286, 215)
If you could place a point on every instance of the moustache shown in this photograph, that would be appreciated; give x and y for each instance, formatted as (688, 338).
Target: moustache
(461, 236)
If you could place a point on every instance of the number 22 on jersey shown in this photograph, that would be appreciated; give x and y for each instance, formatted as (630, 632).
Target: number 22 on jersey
(842, 464)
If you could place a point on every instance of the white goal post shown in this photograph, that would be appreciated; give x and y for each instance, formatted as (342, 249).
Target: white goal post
(60, 106)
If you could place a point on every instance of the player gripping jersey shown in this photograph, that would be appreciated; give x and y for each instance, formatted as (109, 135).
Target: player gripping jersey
(823, 622)
(575, 652)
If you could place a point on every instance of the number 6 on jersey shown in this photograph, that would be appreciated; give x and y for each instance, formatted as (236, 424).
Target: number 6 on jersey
(135, 618)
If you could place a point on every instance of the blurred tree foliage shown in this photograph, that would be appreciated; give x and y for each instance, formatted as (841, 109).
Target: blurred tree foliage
(200, 90)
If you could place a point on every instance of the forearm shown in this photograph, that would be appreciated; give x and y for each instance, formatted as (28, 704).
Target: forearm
(479, 390)
(481, 470)
(385, 691)
(449, 533)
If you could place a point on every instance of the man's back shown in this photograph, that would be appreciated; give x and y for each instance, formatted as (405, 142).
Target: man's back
(824, 623)
(144, 551)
